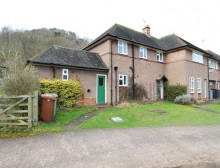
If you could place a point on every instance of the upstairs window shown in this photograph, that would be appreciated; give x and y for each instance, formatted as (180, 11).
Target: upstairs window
(122, 48)
(213, 64)
(159, 56)
(199, 85)
(191, 85)
(197, 57)
(123, 80)
(143, 52)
(65, 74)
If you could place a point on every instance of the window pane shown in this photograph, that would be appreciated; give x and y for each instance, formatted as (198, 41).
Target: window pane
(141, 52)
(125, 48)
(120, 82)
(65, 77)
(100, 81)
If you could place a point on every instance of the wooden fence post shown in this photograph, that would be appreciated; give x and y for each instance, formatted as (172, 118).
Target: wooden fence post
(35, 108)
(30, 111)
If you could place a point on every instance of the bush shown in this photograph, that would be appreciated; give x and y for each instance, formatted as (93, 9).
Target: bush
(68, 91)
(172, 91)
(183, 99)
(140, 93)
(22, 81)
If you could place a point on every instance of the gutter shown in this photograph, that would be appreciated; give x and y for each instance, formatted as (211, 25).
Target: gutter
(60, 65)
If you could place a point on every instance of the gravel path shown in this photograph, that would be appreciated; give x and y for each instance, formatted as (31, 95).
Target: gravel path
(179, 147)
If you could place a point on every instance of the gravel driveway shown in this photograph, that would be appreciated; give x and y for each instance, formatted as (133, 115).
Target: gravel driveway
(178, 147)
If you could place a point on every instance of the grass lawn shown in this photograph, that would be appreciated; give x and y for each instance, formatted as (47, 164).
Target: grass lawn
(63, 117)
(139, 115)
(214, 107)
(134, 115)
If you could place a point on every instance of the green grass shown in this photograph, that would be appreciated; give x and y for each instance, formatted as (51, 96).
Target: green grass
(141, 116)
(63, 117)
(134, 115)
(214, 107)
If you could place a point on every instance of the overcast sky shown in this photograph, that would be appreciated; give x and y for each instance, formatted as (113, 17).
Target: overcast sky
(197, 21)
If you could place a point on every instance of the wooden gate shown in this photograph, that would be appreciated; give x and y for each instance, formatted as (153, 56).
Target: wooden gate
(20, 110)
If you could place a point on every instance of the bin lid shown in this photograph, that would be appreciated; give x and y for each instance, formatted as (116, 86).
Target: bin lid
(48, 96)
(52, 94)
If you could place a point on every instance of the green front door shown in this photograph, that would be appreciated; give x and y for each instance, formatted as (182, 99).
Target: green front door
(101, 89)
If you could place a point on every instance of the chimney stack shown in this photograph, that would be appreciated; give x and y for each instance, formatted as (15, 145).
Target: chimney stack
(146, 30)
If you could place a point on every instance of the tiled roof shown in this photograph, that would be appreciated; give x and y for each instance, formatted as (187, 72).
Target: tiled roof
(214, 55)
(61, 56)
(173, 41)
(166, 43)
(128, 34)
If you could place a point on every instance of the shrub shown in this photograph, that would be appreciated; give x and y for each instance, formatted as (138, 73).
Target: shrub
(21, 81)
(140, 93)
(172, 91)
(183, 99)
(68, 91)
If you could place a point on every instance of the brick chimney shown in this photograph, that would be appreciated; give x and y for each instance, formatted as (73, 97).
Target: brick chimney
(146, 30)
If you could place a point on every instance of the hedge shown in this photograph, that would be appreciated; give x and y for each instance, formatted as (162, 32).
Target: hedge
(172, 91)
(68, 91)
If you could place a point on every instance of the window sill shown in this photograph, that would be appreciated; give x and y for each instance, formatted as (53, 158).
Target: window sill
(123, 53)
(123, 85)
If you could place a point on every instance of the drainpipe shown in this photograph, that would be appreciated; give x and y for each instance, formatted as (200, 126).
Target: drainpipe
(116, 84)
(111, 74)
(133, 85)
(54, 72)
(208, 77)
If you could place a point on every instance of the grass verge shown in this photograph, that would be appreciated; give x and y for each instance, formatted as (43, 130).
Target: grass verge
(63, 117)
(139, 115)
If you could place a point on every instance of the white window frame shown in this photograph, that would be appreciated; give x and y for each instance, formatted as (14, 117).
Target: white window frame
(197, 57)
(124, 79)
(65, 72)
(143, 52)
(199, 85)
(159, 56)
(191, 85)
(218, 85)
(213, 64)
(122, 47)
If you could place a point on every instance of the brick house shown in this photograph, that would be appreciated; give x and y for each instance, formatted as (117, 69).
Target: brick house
(65, 63)
(121, 56)
(152, 62)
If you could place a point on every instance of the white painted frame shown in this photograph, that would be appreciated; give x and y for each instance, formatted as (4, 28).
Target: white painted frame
(97, 82)
(197, 57)
(142, 56)
(191, 80)
(126, 80)
(67, 70)
(161, 59)
(126, 44)
(199, 85)
(205, 88)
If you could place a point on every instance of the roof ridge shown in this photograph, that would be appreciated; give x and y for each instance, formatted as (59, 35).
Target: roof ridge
(58, 46)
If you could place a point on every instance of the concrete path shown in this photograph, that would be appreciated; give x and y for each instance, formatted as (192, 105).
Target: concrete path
(77, 121)
(179, 147)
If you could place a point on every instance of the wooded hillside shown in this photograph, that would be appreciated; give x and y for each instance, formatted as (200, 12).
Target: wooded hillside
(24, 44)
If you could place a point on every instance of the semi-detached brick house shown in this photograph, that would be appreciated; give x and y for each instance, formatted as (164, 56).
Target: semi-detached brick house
(129, 54)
